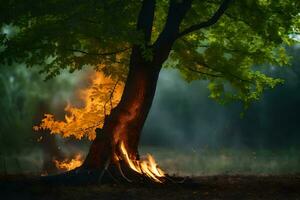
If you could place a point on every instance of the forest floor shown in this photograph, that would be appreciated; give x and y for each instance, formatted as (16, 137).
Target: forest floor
(283, 187)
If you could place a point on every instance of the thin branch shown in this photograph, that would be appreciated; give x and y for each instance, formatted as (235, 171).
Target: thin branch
(214, 19)
(218, 70)
(98, 54)
(251, 27)
(112, 93)
(239, 51)
(204, 73)
(225, 72)
(110, 98)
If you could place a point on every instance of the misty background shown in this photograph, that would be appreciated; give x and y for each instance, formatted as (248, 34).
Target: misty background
(183, 114)
(187, 132)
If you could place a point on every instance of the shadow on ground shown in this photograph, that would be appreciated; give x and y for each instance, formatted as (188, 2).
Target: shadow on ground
(202, 188)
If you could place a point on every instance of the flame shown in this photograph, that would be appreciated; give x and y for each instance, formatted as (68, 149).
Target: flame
(102, 95)
(99, 98)
(67, 164)
(147, 166)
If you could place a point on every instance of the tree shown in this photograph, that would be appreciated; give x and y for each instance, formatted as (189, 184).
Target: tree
(130, 41)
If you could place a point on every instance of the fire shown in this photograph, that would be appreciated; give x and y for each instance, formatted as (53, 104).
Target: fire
(147, 166)
(99, 98)
(68, 165)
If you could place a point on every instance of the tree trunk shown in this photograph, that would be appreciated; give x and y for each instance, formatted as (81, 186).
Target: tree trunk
(126, 121)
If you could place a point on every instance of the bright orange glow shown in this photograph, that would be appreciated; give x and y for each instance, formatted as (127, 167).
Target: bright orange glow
(99, 98)
(68, 165)
(146, 166)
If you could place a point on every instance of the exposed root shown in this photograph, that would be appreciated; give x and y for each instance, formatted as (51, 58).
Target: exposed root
(112, 176)
(122, 174)
(121, 170)
(104, 170)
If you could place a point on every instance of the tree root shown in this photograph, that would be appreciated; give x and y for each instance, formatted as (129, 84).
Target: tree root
(111, 173)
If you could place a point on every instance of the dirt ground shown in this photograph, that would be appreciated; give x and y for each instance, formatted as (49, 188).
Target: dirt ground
(198, 188)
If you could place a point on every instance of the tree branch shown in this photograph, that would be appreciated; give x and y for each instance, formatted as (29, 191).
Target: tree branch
(205, 73)
(176, 13)
(225, 72)
(110, 97)
(217, 15)
(146, 17)
(98, 54)
(214, 69)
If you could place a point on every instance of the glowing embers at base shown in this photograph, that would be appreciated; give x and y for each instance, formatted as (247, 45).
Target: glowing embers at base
(69, 164)
(147, 166)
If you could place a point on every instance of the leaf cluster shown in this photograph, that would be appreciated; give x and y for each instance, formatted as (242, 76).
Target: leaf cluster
(71, 34)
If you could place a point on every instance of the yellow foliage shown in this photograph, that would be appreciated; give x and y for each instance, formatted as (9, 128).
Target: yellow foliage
(99, 98)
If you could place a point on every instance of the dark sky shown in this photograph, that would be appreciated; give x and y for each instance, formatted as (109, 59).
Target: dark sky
(182, 114)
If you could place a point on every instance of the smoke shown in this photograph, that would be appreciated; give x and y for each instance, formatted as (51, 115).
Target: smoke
(25, 97)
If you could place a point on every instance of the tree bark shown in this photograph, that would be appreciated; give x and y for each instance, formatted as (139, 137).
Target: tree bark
(126, 120)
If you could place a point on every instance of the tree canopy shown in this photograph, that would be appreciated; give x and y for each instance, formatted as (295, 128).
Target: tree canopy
(223, 41)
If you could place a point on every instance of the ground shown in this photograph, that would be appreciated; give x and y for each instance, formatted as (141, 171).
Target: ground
(283, 187)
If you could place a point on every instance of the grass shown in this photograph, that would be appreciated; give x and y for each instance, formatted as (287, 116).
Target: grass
(262, 174)
(197, 162)
(226, 161)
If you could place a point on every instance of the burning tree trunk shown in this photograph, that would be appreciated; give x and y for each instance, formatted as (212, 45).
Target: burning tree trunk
(126, 121)
(115, 146)
(122, 128)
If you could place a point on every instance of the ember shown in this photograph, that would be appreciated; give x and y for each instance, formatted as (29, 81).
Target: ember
(68, 165)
